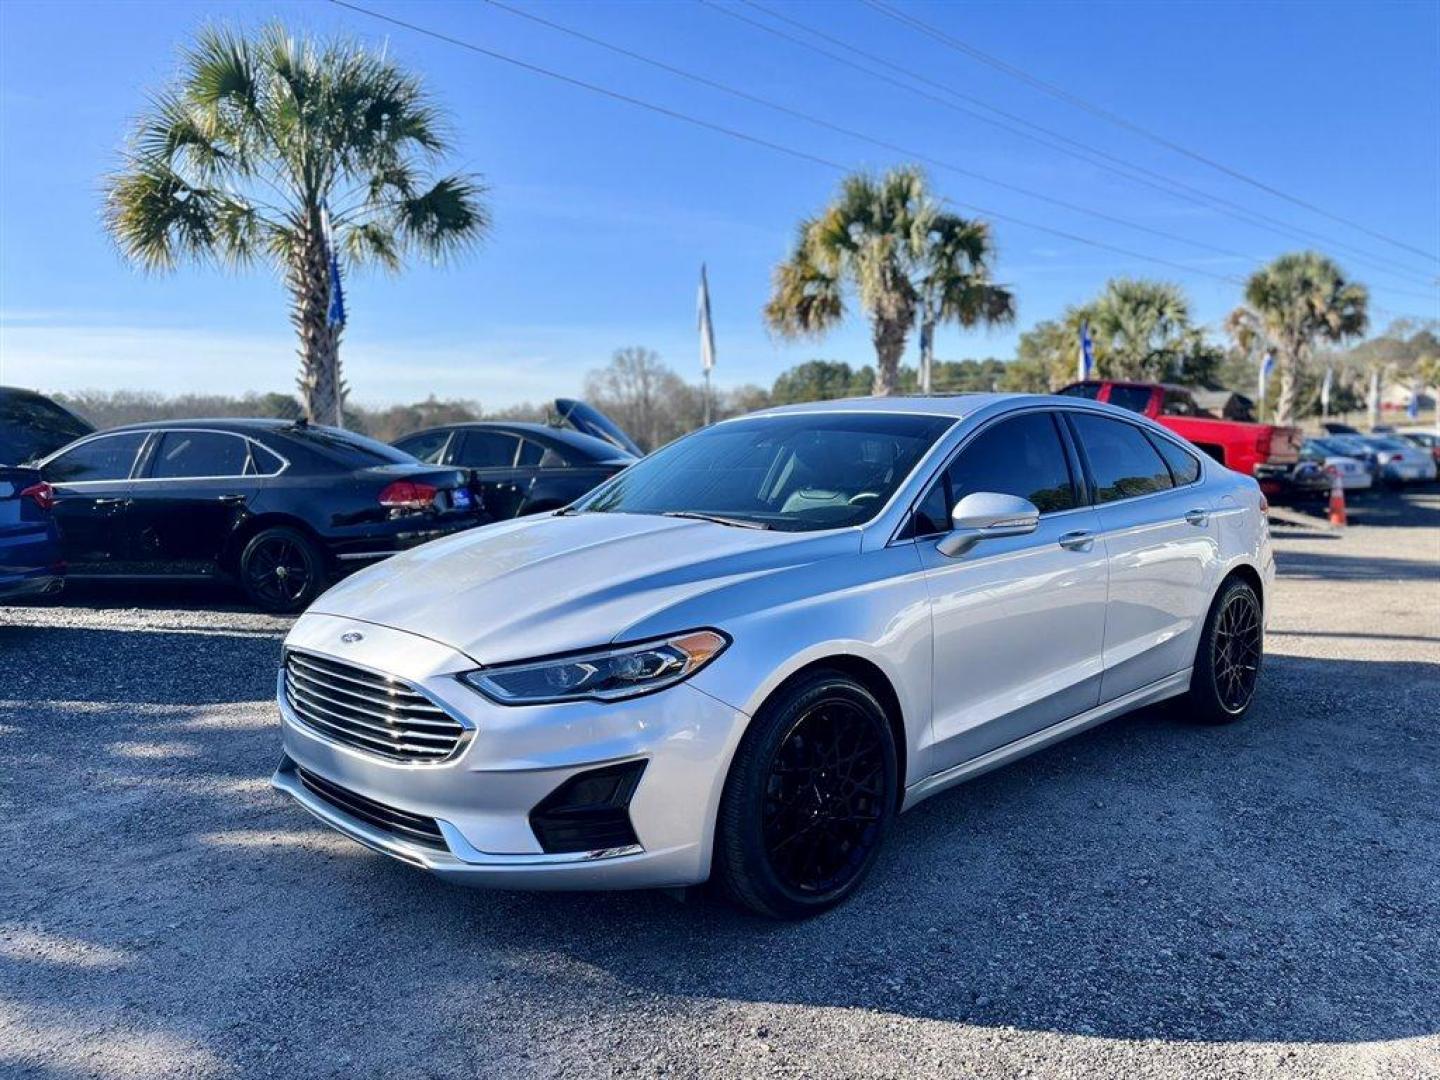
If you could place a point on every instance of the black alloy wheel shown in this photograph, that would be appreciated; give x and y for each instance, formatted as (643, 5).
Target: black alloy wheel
(809, 799)
(1236, 650)
(281, 570)
(1227, 664)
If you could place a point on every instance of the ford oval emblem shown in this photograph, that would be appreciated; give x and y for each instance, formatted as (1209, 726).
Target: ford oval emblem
(352, 637)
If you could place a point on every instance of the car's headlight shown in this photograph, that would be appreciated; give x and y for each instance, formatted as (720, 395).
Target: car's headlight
(603, 675)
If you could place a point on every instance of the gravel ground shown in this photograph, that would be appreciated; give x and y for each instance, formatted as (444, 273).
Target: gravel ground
(1148, 899)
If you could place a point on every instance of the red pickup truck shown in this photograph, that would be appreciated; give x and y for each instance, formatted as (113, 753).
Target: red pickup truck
(1264, 451)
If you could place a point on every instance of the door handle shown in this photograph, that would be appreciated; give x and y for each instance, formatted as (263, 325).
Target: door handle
(1197, 517)
(117, 501)
(232, 498)
(1077, 541)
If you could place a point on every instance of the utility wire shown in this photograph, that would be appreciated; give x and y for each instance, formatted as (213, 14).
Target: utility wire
(754, 140)
(1050, 138)
(860, 135)
(1078, 102)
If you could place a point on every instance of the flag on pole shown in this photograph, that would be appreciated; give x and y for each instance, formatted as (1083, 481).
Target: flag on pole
(335, 314)
(707, 331)
(1267, 365)
(1412, 410)
(1087, 351)
(1325, 391)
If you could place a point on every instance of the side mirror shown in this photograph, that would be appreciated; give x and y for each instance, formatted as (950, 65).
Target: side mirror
(986, 515)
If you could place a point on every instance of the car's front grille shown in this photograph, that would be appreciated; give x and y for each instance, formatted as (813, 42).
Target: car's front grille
(371, 712)
(407, 826)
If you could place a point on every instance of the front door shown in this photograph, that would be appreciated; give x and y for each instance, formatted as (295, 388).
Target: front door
(190, 497)
(1018, 621)
(92, 502)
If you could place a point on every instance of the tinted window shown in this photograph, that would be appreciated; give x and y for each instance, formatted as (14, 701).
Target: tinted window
(797, 472)
(1089, 390)
(1184, 466)
(199, 453)
(32, 426)
(106, 458)
(1021, 456)
(486, 450)
(1121, 457)
(531, 454)
(263, 462)
(1134, 398)
(427, 446)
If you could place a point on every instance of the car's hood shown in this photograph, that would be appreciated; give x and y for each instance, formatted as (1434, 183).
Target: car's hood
(548, 584)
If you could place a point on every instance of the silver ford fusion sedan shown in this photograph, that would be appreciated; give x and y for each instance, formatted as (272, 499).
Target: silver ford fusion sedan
(745, 654)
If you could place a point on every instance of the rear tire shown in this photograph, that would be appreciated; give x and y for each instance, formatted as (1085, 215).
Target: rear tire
(809, 798)
(281, 570)
(1228, 661)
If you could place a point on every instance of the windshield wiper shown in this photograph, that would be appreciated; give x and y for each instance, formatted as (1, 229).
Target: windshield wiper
(718, 519)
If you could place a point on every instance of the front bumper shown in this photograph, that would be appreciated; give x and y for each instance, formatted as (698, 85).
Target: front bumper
(482, 797)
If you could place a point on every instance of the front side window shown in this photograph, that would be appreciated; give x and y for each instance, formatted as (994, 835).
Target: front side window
(107, 458)
(486, 450)
(191, 454)
(797, 472)
(1121, 458)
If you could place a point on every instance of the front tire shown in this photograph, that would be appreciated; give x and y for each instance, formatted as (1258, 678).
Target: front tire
(809, 798)
(281, 570)
(1227, 664)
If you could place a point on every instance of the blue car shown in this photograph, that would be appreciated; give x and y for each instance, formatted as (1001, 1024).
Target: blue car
(30, 563)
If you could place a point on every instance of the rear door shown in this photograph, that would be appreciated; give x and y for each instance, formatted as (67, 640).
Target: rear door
(92, 501)
(192, 492)
(1162, 549)
(1018, 622)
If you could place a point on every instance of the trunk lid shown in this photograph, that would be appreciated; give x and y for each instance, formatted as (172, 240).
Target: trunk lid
(589, 420)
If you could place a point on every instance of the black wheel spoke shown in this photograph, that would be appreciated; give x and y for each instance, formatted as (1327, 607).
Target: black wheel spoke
(1235, 659)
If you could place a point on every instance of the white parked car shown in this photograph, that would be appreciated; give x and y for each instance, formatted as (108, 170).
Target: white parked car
(1353, 474)
(1400, 461)
(746, 653)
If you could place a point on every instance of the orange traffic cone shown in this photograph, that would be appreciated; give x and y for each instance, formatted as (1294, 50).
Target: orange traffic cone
(1337, 503)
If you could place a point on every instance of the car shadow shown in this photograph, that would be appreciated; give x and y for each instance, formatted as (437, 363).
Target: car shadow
(1269, 881)
(1331, 565)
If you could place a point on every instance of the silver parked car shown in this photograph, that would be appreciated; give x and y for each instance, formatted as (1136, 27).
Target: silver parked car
(746, 653)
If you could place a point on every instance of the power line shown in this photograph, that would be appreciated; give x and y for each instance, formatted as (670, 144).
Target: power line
(860, 135)
(1053, 139)
(1078, 102)
(754, 140)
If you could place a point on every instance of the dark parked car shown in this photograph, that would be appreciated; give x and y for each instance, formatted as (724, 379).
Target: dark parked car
(520, 468)
(31, 426)
(281, 507)
(29, 541)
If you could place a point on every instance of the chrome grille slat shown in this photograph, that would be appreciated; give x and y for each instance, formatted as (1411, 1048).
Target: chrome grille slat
(377, 682)
(366, 711)
(305, 683)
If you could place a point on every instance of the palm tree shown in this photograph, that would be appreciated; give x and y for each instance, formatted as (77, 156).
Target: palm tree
(879, 237)
(1292, 303)
(955, 284)
(239, 159)
(1142, 329)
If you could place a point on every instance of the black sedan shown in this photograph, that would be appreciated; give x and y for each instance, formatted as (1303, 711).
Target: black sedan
(520, 468)
(281, 507)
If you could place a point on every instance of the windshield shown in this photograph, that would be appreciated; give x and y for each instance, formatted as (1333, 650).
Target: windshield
(797, 473)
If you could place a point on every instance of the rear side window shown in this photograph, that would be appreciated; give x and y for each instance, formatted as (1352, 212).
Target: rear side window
(1121, 458)
(1184, 466)
(1134, 398)
(486, 450)
(199, 453)
(107, 458)
(348, 448)
(427, 446)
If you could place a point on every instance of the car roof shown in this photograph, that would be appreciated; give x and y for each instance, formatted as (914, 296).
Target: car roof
(598, 449)
(227, 423)
(957, 406)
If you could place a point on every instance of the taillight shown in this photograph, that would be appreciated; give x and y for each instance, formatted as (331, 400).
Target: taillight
(42, 493)
(408, 495)
(1331, 470)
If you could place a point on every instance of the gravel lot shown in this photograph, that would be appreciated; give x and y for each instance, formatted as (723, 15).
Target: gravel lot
(1146, 900)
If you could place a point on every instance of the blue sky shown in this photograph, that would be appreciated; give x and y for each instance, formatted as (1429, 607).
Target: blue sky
(604, 212)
